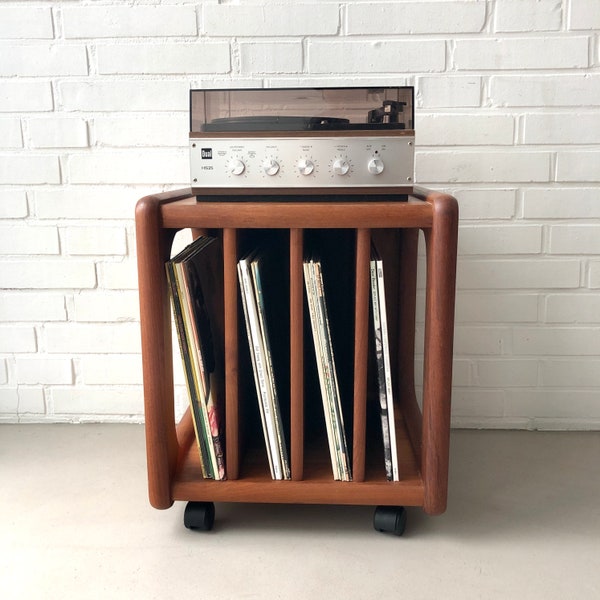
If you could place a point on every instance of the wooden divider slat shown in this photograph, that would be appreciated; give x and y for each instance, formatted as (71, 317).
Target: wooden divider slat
(361, 343)
(296, 354)
(232, 426)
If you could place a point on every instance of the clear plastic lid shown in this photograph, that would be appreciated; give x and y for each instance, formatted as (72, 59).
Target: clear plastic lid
(302, 109)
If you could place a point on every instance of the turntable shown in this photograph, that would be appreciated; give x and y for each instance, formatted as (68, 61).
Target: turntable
(298, 141)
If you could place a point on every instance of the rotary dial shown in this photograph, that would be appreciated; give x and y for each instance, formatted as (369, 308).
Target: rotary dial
(306, 166)
(375, 166)
(341, 166)
(270, 166)
(236, 166)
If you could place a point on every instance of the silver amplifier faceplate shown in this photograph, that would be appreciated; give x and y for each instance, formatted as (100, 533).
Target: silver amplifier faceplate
(302, 162)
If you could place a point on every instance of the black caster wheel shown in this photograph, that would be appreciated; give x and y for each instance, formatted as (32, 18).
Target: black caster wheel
(390, 519)
(199, 516)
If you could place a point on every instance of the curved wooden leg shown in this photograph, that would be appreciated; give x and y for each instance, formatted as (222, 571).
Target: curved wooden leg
(441, 241)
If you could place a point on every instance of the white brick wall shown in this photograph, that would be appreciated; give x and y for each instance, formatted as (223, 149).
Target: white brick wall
(25, 22)
(527, 15)
(43, 59)
(415, 17)
(57, 133)
(93, 115)
(29, 168)
(125, 21)
(118, 59)
(10, 134)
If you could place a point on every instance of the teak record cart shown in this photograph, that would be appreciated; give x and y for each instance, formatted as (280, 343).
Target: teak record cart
(423, 435)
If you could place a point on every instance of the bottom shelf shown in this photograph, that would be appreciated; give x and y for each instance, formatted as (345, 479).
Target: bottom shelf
(317, 487)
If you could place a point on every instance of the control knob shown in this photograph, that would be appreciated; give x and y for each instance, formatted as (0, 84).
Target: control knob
(270, 167)
(305, 166)
(375, 166)
(236, 166)
(341, 166)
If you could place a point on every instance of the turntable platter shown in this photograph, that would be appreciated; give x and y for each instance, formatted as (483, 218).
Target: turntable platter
(274, 123)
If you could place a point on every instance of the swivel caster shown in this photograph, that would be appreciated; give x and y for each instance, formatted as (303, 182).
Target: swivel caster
(390, 519)
(199, 516)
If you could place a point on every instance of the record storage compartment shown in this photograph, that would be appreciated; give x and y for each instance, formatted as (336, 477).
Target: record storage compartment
(422, 433)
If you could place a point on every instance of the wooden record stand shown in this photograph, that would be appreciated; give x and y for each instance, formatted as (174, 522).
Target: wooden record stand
(422, 433)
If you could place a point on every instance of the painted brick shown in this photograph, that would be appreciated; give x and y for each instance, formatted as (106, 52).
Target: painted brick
(57, 133)
(118, 369)
(9, 401)
(44, 370)
(106, 306)
(15, 307)
(279, 20)
(522, 53)
(573, 308)
(29, 168)
(118, 275)
(43, 59)
(503, 239)
(594, 274)
(24, 96)
(415, 17)
(98, 400)
(461, 372)
(478, 204)
(150, 130)
(477, 403)
(557, 341)
(518, 274)
(552, 403)
(56, 274)
(496, 308)
(88, 202)
(22, 401)
(178, 376)
(13, 204)
(489, 167)
(506, 373)
(127, 96)
(95, 240)
(561, 203)
(205, 57)
(463, 130)
(17, 339)
(88, 338)
(584, 14)
(25, 22)
(271, 57)
(182, 239)
(563, 424)
(578, 166)
(128, 21)
(481, 341)
(541, 90)
(31, 401)
(447, 91)
(10, 133)
(22, 239)
(376, 56)
(3, 374)
(559, 128)
(575, 239)
(180, 401)
(148, 166)
(527, 15)
(571, 373)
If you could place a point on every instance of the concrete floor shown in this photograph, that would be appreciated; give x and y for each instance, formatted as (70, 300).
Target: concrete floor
(523, 522)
